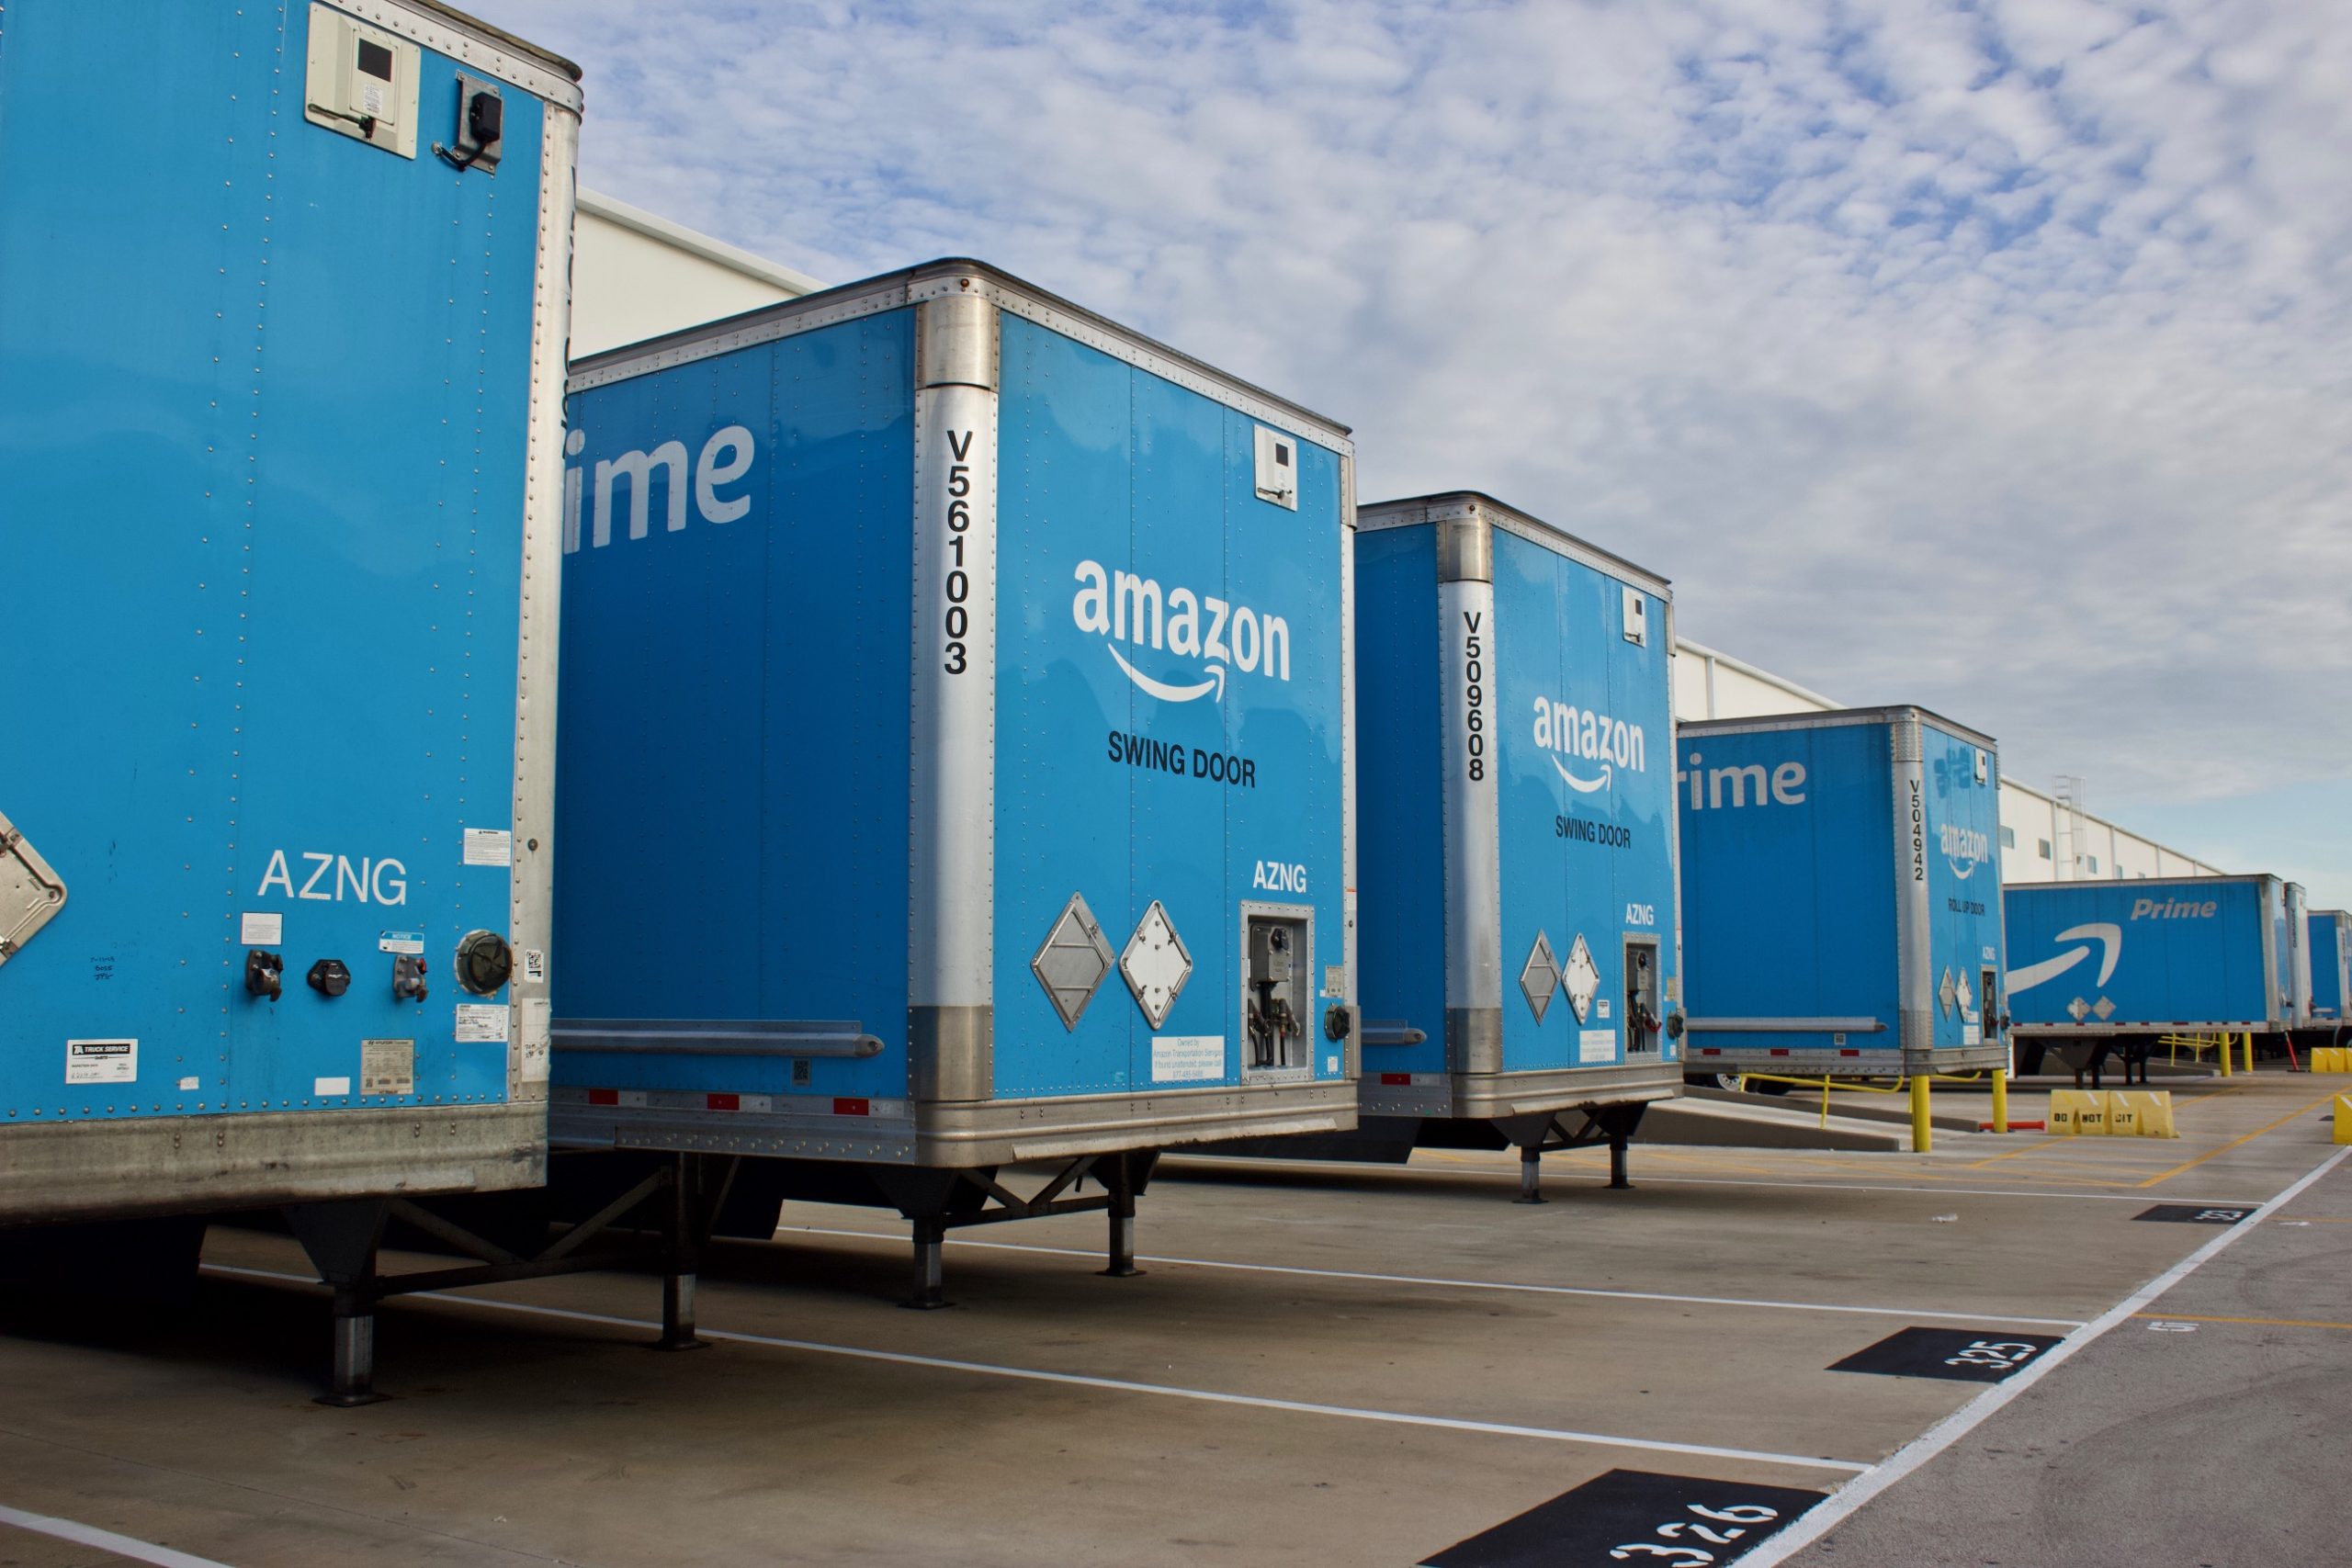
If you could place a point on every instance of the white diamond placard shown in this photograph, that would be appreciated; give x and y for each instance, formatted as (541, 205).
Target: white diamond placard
(2105, 1008)
(2078, 1010)
(1948, 992)
(1156, 965)
(1582, 977)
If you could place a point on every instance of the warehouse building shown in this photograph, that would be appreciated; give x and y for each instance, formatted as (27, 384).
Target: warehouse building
(636, 274)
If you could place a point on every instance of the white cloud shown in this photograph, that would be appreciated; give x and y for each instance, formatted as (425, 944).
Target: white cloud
(1992, 357)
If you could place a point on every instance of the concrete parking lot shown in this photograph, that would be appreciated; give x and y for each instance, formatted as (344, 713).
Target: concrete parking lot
(1321, 1364)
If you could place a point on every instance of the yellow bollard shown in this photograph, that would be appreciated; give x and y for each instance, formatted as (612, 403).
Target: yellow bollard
(2249, 1050)
(2000, 1100)
(1920, 1134)
(2344, 1118)
(2228, 1043)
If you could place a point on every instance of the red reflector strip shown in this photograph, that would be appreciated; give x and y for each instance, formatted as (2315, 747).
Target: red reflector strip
(851, 1108)
(1405, 1079)
(1709, 1050)
(1848, 1051)
(1780, 1050)
(603, 1097)
(722, 1102)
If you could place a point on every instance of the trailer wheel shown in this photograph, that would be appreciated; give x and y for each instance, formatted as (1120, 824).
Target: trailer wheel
(1729, 1083)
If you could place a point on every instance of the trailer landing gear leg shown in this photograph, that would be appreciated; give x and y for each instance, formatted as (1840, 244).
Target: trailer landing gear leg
(341, 1239)
(1618, 1180)
(681, 1263)
(353, 1381)
(1530, 1174)
(1122, 1184)
(930, 1288)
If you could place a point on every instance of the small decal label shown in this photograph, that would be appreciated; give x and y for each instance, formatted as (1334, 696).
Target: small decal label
(101, 1061)
(388, 1066)
(1187, 1058)
(1335, 980)
(482, 1023)
(1596, 1045)
(326, 1088)
(1969, 1034)
(533, 1065)
(488, 846)
(535, 966)
(260, 930)
(1601, 1007)
(401, 941)
(188, 1085)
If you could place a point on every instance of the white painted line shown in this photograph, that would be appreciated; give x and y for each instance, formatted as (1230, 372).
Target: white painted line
(1842, 1503)
(105, 1540)
(2143, 1198)
(1172, 1163)
(1472, 1284)
(1119, 1385)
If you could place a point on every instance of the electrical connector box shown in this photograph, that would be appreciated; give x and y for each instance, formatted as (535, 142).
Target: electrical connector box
(1277, 469)
(362, 82)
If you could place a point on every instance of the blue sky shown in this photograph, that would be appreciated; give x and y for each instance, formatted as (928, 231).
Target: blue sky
(1995, 356)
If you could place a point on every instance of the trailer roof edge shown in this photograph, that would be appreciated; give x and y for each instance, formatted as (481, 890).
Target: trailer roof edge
(935, 279)
(1818, 717)
(1405, 512)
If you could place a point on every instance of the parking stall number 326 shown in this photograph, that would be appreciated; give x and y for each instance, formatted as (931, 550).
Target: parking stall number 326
(1721, 1527)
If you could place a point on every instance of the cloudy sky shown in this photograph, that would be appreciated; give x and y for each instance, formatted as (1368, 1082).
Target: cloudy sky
(1994, 357)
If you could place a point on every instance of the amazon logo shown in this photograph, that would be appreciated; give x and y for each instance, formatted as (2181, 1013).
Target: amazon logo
(2107, 936)
(1120, 607)
(1587, 748)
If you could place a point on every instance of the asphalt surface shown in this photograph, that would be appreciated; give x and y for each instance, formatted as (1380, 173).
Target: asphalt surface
(1321, 1364)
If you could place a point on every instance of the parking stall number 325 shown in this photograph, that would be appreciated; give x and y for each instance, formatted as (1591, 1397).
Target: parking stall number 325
(1718, 1526)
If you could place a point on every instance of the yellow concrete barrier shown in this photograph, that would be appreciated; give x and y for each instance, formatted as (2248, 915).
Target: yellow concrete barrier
(2328, 1059)
(2078, 1111)
(2140, 1112)
(2344, 1118)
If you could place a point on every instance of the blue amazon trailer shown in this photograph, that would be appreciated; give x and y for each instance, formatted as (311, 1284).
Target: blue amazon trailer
(2118, 962)
(1522, 974)
(1842, 908)
(281, 382)
(956, 759)
(2330, 934)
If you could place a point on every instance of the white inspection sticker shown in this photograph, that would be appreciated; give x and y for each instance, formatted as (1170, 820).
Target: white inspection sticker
(1187, 1058)
(535, 966)
(482, 1023)
(488, 846)
(260, 930)
(1335, 979)
(388, 1066)
(328, 1087)
(533, 1065)
(101, 1061)
(1596, 1045)
(188, 1085)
